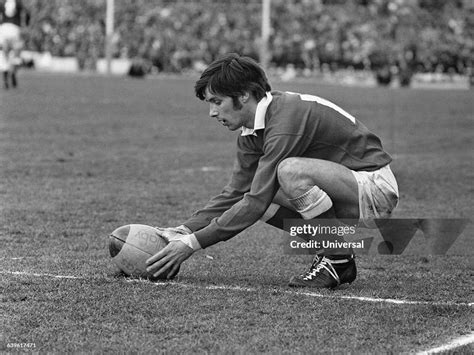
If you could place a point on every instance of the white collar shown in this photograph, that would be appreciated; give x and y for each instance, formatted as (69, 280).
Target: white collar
(259, 122)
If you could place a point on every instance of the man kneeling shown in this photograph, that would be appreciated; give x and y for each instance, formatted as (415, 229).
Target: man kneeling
(298, 156)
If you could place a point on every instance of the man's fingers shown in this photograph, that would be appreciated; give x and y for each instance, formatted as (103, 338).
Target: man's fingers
(159, 266)
(173, 271)
(168, 259)
(156, 257)
(163, 233)
(165, 270)
(169, 233)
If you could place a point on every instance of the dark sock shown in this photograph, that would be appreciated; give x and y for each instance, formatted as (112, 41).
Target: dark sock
(285, 213)
(340, 257)
(282, 214)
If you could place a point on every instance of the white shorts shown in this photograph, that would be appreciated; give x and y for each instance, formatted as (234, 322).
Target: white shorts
(378, 195)
(10, 35)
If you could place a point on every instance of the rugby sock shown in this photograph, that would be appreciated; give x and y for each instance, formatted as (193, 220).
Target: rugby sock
(337, 253)
(312, 203)
(276, 214)
(340, 259)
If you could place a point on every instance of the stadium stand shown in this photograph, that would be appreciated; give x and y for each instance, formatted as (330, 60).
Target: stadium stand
(385, 36)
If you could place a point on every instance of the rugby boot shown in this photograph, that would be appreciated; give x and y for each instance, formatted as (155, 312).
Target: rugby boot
(327, 272)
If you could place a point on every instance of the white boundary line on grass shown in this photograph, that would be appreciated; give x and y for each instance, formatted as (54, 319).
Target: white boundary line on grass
(310, 294)
(453, 344)
(252, 289)
(41, 275)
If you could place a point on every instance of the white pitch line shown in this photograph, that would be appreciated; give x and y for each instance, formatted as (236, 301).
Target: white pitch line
(386, 300)
(40, 275)
(309, 294)
(252, 289)
(453, 344)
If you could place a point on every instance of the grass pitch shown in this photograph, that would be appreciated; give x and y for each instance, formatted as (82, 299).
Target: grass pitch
(82, 155)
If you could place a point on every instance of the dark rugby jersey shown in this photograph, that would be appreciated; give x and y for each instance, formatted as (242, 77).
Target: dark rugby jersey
(295, 126)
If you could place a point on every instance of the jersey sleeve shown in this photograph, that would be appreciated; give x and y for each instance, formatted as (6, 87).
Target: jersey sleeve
(250, 208)
(243, 172)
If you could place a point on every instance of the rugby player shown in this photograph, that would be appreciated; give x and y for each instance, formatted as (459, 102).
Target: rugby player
(298, 156)
(13, 16)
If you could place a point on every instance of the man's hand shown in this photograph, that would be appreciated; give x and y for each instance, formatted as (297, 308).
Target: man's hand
(173, 233)
(168, 260)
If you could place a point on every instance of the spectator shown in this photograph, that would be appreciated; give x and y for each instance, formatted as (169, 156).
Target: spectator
(13, 17)
(179, 35)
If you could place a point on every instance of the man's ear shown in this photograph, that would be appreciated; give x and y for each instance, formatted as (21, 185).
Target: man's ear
(244, 98)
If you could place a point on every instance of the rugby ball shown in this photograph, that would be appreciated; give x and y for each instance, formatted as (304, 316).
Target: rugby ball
(131, 245)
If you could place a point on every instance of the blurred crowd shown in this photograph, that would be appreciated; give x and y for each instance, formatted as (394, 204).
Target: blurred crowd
(180, 35)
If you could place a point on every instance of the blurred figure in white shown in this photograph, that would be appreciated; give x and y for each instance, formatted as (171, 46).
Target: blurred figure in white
(13, 17)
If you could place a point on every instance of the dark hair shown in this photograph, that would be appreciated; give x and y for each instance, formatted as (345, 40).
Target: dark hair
(232, 75)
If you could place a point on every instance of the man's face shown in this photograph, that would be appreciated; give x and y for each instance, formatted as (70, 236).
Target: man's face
(222, 109)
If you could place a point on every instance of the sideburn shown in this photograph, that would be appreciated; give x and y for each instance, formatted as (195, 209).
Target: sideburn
(236, 103)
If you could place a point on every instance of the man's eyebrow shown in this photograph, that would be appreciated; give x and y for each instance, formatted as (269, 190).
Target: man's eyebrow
(212, 99)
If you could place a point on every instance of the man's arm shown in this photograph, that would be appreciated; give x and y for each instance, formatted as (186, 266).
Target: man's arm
(244, 170)
(263, 189)
(241, 215)
(182, 246)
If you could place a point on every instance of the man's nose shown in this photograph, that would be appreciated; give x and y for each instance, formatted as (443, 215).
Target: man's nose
(213, 111)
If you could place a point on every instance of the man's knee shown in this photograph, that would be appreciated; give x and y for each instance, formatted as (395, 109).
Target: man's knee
(287, 174)
(294, 177)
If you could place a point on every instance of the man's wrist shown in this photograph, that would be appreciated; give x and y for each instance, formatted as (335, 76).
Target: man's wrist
(184, 229)
(191, 241)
